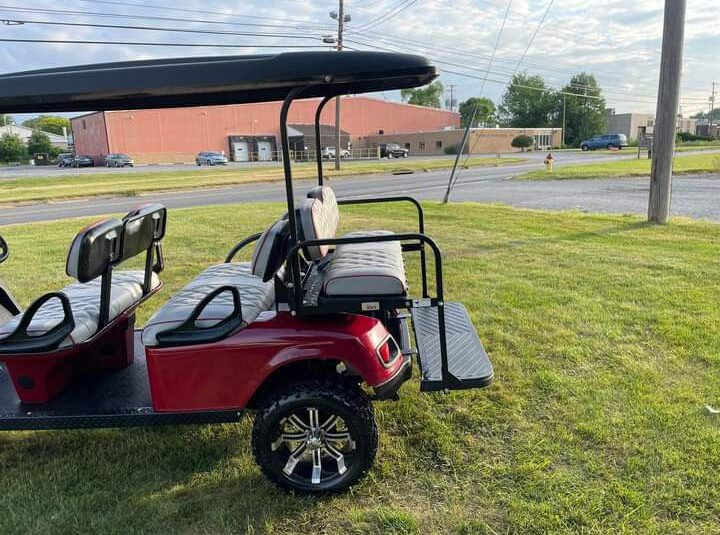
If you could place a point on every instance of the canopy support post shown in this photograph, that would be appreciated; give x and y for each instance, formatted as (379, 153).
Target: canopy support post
(318, 144)
(296, 279)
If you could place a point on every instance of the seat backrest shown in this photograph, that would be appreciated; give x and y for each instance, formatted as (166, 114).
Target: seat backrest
(94, 250)
(270, 251)
(319, 218)
(142, 227)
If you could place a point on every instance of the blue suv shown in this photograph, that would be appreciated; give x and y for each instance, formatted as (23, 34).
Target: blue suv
(606, 141)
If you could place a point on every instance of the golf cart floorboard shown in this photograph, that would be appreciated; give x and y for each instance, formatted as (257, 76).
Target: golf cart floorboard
(468, 364)
(103, 399)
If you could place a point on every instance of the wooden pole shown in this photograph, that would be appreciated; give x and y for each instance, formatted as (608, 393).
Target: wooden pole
(666, 114)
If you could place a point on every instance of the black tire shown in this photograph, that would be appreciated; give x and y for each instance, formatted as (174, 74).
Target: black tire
(584, 148)
(273, 445)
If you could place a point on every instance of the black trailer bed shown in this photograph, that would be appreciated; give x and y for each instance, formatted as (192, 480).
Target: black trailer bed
(111, 399)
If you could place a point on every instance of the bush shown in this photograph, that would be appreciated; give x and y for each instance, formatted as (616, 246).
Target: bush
(522, 142)
(39, 143)
(12, 149)
(687, 136)
(452, 149)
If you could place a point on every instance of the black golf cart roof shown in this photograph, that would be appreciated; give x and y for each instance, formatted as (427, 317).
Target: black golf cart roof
(164, 83)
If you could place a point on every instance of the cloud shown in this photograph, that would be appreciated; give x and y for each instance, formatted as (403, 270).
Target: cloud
(617, 40)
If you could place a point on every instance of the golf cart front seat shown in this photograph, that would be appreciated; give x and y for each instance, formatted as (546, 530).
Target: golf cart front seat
(77, 312)
(354, 269)
(223, 298)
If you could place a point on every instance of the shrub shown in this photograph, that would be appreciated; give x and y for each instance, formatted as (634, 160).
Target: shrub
(39, 143)
(452, 149)
(522, 142)
(12, 148)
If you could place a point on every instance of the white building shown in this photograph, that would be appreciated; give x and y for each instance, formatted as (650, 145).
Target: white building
(25, 133)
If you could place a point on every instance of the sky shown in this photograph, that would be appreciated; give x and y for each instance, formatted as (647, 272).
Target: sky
(476, 47)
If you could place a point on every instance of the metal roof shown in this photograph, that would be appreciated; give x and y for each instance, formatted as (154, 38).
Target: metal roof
(163, 83)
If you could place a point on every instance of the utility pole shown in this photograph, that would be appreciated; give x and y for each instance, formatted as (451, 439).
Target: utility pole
(712, 107)
(562, 142)
(342, 19)
(451, 103)
(666, 113)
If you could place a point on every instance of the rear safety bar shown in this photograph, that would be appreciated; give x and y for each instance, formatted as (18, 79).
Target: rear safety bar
(293, 260)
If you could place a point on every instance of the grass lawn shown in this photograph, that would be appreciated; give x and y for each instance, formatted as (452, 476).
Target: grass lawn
(133, 183)
(686, 164)
(605, 336)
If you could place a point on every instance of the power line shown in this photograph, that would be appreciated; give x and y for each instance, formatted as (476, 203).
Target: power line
(186, 10)
(497, 42)
(36, 11)
(389, 15)
(141, 43)
(532, 39)
(155, 28)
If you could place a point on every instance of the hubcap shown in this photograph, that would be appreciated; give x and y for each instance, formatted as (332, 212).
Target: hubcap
(313, 445)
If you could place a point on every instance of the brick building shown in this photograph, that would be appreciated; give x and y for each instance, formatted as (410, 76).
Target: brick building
(243, 131)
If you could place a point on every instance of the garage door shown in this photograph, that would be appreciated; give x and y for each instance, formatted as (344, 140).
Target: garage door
(264, 151)
(240, 151)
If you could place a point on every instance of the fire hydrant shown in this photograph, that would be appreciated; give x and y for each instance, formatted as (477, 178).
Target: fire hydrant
(549, 162)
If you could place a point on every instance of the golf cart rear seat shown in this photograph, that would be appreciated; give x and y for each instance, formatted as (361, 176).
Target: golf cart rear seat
(356, 269)
(79, 311)
(223, 298)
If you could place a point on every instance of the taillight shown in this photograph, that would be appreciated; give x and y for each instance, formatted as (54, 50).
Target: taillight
(388, 351)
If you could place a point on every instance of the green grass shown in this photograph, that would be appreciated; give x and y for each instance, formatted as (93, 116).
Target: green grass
(687, 164)
(605, 336)
(85, 185)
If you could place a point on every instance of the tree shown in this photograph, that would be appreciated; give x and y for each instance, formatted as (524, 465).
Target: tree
(485, 111)
(39, 142)
(522, 142)
(12, 148)
(585, 115)
(430, 95)
(715, 115)
(528, 102)
(6, 120)
(49, 123)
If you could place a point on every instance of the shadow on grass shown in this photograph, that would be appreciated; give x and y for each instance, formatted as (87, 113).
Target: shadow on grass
(163, 480)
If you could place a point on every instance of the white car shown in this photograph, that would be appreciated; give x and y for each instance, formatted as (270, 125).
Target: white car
(328, 153)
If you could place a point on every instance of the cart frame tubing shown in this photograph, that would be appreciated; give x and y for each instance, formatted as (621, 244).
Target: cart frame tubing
(293, 258)
(318, 144)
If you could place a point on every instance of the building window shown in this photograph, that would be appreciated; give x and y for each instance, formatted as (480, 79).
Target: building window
(407, 146)
(421, 145)
(84, 125)
(438, 144)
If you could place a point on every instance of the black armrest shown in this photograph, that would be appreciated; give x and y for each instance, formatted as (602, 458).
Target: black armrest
(188, 333)
(235, 250)
(20, 341)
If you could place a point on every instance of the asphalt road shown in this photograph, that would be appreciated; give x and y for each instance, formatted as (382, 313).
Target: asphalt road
(692, 196)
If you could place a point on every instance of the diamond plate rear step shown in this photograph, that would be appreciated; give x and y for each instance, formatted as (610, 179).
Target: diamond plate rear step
(468, 364)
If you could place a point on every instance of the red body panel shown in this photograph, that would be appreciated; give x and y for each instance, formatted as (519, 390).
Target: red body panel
(226, 374)
(40, 377)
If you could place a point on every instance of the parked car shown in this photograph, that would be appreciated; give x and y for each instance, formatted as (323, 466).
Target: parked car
(211, 158)
(83, 161)
(118, 160)
(328, 153)
(65, 159)
(606, 141)
(392, 150)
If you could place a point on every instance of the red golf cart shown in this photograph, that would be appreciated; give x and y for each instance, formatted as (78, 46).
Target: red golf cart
(305, 335)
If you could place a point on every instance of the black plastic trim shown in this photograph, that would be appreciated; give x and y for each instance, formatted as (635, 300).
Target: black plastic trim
(189, 334)
(20, 341)
(240, 245)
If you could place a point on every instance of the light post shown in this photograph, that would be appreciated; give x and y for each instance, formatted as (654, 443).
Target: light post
(341, 18)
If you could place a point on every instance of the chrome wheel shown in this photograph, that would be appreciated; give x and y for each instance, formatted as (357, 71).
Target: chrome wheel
(315, 436)
(313, 445)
